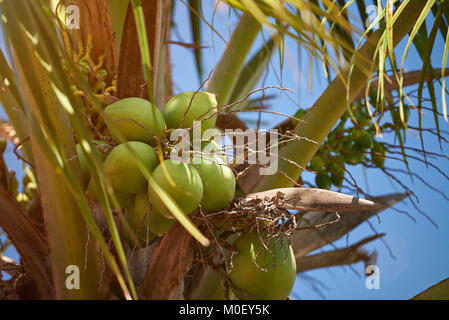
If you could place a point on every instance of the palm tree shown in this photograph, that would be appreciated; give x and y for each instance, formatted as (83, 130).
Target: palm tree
(58, 80)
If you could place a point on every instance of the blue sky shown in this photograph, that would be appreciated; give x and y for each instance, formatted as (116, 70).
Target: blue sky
(421, 251)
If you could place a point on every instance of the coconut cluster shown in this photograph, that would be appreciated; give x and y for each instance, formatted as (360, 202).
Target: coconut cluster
(138, 127)
(141, 131)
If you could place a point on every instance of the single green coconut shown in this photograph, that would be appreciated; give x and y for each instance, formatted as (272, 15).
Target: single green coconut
(337, 171)
(363, 119)
(125, 200)
(122, 170)
(136, 119)
(83, 161)
(347, 143)
(211, 148)
(142, 209)
(276, 282)
(337, 179)
(365, 140)
(182, 182)
(218, 183)
(158, 224)
(140, 229)
(209, 287)
(355, 155)
(322, 180)
(317, 163)
(203, 105)
(378, 154)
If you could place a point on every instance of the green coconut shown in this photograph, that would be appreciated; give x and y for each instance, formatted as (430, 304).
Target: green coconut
(203, 105)
(122, 170)
(139, 227)
(365, 140)
(218, 183)
(363, 119)
(136, 119)
(125, 200)
(182, 182)
(211, 148)
(273, 283)
(209, 287)
(158, 224)
(337, 171)
(322, 180)
(337, 179)
(378, 154)
(317, 163)
(355, 155)
(83, 161)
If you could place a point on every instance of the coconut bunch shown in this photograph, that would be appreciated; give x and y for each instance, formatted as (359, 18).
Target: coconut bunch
(139, 128)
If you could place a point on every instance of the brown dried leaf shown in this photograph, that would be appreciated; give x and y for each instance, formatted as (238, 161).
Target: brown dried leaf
(339, 257)
(95, 22)
(28, 242)
(131, 81)
(165, 271)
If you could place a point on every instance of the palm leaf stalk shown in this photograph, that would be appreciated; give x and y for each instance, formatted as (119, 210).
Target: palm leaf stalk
(330, 106)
